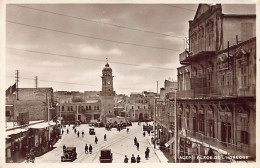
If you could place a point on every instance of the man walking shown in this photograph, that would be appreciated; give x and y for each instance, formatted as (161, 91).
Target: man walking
(82, 133)
(105, 137)
(96, 139)
(90, 149)
(135, 140)
(86, 149)
(137, 145)
(78, 133)
(144, 134)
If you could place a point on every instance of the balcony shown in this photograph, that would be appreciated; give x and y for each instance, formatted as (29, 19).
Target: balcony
(241, 149)
(214, 92)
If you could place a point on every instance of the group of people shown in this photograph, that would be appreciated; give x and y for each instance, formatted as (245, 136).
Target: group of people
(88, 149)
(133, 159)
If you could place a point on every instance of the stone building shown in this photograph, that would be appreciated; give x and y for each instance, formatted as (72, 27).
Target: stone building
(216, 99)
(84, 111)
(140, 106)
(31, 104)
(107, 94)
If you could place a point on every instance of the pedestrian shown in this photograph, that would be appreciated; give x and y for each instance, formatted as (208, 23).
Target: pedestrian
(137, 145)
(67, 130)
(78, 134)
(148, 132)
(148, 151)
(105, 137)
(64, 147)
(86, 148)
(96, 139)
(82, 133)
(90, 149)
(135, 140)
(62, 131)
(138, 159)
(144, 134)
(133, 159)
(127, 130)
(75, 130)
(146, 154)
(152, 140)
(126, 159)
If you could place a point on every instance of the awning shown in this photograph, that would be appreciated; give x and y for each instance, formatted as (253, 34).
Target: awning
(169, 142)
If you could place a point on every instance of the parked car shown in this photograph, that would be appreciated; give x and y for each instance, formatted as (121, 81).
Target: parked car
(106, 156)
(92, 131)
(70, 154)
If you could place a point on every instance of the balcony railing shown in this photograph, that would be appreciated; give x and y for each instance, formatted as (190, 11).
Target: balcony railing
(212, 141)
(214, 92)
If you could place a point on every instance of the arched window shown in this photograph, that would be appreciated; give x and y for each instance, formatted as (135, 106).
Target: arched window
(89, 107)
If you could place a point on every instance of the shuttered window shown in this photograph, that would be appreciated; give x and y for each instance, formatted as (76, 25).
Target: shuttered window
(246, 31)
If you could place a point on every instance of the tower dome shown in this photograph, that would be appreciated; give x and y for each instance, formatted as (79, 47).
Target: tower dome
(107, 70)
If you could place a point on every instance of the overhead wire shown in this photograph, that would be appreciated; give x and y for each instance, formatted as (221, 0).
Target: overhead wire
(92, 59)
(100, 22)
(92, 37)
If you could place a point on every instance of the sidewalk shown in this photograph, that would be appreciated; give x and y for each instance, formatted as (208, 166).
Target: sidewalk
(157, 151)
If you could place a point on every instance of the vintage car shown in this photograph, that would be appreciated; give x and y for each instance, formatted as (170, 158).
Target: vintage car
(106, 156)
(92, 131)
(70, 154)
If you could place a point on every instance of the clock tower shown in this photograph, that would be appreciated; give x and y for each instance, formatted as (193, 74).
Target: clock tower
(107, 94)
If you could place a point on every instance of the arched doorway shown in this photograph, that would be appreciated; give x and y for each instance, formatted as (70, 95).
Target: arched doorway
(141, 118)
(146, 116)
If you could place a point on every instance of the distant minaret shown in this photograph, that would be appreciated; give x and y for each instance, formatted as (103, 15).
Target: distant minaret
(107, 94)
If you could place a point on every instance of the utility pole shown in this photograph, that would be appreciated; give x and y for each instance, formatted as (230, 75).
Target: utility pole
(154, 125)
(16, 81)
(228, 54)
(77, 112)
(48, 104)
(175, 128)
(134, 111)
(36, 81)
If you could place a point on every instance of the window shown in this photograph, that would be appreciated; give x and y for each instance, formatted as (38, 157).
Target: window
(86, 107)
(243, 75)
(132, 107)
(244, 137)
(62, 108)
(144, 107)
(228, 79)
(246, 31)
(210, 128)
(222, 80)
(201, 123)
(89, 107)
(209, 79)
(195, 124)
(7, 113)
(97, 107)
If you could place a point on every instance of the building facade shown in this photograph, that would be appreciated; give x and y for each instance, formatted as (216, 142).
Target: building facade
(30, 104)
(216, 99)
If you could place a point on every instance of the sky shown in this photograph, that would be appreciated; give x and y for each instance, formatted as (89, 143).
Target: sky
(52, 60)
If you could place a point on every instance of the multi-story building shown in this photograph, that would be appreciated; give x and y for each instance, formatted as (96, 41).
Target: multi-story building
(84, 111)
(140, 106)
(30, 104)
(216, 99)
(216, 95)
